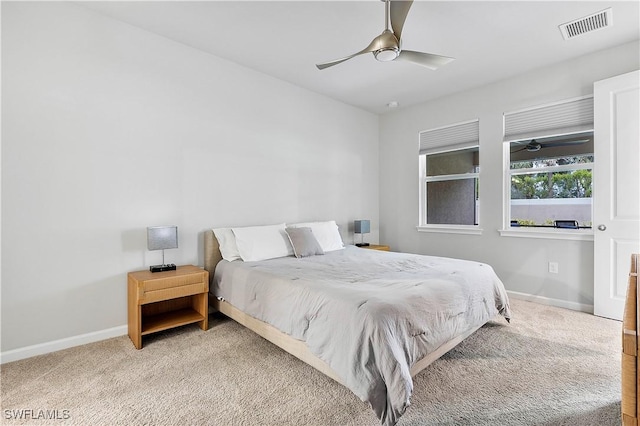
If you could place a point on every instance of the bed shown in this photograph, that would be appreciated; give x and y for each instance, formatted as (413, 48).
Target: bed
(403, 312)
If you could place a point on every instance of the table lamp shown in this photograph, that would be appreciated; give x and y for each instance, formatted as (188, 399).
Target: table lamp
(162, 238)
(362, 227)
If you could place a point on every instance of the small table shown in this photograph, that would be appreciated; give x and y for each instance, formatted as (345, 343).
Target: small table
(162, 300)
(376, 247)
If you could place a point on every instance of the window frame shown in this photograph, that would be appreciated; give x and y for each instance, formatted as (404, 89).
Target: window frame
(424, 179)
(538, 232)
(564, 117)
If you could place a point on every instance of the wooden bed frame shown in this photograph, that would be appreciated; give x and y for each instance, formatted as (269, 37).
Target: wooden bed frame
(630, 345)
(293, 346)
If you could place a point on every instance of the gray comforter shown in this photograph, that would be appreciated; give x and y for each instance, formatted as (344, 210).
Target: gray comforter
(370, 315)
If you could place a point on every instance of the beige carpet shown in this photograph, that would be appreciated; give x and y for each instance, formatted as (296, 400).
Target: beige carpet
(550, 366)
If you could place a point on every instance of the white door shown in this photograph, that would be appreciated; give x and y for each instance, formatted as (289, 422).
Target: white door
(616, 189)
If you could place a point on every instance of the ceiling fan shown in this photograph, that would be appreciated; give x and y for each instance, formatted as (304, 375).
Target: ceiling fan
(387, 46)
(534, 145)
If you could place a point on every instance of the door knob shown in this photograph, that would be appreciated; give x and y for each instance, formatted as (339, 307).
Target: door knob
(602, 227)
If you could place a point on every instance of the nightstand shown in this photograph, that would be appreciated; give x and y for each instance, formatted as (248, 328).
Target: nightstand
(376, 247)
(162, 300)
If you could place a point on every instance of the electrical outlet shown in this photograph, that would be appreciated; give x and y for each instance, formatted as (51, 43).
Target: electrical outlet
(553, 267)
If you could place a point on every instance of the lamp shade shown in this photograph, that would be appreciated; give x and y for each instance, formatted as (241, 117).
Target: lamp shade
(362, 226)
(162, 237)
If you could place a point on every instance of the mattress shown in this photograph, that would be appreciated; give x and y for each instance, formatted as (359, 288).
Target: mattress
(369, 315)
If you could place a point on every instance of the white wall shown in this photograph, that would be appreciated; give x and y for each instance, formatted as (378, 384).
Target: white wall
(521, 263)
(108, 129)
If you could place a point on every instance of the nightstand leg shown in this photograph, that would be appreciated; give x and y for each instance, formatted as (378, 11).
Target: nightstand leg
(135, 323)
(201, 305)
(134, 314)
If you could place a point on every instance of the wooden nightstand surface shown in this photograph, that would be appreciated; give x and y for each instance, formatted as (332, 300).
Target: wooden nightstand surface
(162, 300)
(376, 247)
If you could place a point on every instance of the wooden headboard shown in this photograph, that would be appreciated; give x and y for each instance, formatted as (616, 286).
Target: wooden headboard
(212, 253)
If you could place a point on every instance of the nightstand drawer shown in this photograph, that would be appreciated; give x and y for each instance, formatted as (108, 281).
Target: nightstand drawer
(173, 292)
(171, 281)
(376, 247)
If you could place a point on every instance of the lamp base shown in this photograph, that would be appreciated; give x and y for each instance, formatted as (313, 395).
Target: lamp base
(362, 245)
(162, 268)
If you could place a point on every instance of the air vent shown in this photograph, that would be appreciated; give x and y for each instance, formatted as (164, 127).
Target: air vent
(587, 24)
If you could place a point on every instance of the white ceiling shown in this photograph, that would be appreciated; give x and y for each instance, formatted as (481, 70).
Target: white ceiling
(491, 40)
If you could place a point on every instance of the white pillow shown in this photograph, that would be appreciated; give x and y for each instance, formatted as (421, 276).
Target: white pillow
(326, 233)
(227, 243)
(262, 242)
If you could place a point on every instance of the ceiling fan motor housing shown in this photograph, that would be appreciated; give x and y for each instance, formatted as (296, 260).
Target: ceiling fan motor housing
(387, 47)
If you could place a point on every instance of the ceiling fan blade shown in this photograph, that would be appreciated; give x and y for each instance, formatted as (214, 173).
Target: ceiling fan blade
(428, 60)
(368, 49)
(398, 12)
(534, 145)
(564, 143)
(336, 62)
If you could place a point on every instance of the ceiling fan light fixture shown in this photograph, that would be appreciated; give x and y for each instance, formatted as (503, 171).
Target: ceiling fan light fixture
(533, 146)
(387, 54)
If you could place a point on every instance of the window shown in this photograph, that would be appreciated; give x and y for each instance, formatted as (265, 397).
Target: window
(551, 182)
(548, 173)
(449, 171)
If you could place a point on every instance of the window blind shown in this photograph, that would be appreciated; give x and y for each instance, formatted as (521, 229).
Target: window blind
(456, 136)
(566, 117)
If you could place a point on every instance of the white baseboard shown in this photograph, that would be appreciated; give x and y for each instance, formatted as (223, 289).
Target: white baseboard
(551, 302)
(57, 345)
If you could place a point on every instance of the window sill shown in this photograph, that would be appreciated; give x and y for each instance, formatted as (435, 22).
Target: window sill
(553, 234)
(451, 229)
